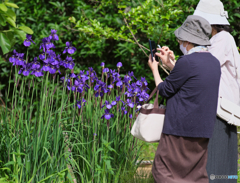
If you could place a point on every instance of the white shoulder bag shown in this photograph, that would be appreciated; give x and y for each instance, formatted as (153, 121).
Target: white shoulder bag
(149, 123)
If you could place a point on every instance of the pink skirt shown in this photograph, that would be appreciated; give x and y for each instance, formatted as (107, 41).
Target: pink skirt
(181, 160)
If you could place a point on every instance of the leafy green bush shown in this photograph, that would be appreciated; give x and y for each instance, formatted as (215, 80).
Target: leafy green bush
(8, 20)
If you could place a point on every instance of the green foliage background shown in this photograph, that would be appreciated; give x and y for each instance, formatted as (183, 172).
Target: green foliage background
(98, 31)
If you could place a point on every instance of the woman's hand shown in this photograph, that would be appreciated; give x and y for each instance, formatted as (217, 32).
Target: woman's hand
(167, 56)
(154, 67)
(152, 64)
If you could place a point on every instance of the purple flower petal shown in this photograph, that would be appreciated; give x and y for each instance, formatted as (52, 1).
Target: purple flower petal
(107, 116)
(118, 98)
(109, 106)
(26, 72)
(113, 103)
(38, 73)
(65, 50)
(110, 86)
(119, 83)
(67, 44)
(71, 50)
(52, 70)
(131, 104)
(29, 37)
(105, 70)
(119, 64)
(26, 43)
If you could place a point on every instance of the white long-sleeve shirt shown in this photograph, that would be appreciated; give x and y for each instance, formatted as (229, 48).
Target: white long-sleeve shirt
(225, 50)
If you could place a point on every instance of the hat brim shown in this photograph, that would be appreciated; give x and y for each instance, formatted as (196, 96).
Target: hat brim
(213, 19)
(183, 35)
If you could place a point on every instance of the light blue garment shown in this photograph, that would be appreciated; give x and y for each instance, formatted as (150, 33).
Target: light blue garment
(197, 49)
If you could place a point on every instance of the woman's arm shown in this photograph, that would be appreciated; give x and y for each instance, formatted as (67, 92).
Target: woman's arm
(174, 81)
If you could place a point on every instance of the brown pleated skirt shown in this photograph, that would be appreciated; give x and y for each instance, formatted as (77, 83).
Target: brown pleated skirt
(180, 160)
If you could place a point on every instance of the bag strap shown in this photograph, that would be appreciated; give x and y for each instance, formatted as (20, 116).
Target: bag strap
(156, 99)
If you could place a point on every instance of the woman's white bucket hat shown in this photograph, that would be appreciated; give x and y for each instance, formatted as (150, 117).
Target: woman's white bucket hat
(212, 11)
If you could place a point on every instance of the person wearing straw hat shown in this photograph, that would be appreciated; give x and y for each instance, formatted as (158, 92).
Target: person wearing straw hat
(223, 146)
(191, 91)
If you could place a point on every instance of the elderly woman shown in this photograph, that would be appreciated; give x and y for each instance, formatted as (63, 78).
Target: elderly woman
(223, 146)
(191, 91)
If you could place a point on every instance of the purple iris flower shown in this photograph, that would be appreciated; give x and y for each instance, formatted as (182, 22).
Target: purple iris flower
(47, 44)
(84, 78)
(144, 81)
(129, 94)
(46, 67)
(90, 69)
(70, 65)
(105, 90)
(20, 61)
(52, 70)
(14, 57)
(118, 99)
(27, 42)
(113, 103)
(139, 83)
(72, 75)
(130, 103)
(119, 64)
(99, 94)
(25, 70)
(106, 70)
(70, 49)
(79, 89)
(108, 105)
(102, 64)
(127, 79)
(119, 83)
(35, 65)
(143, 96)
(96, 87)
(17, 58)
(110, 86)
(107, 115)
(37, 73)
(130, 116)
(53, 36)
(131, 74)
(53, 61)
(42, 56)
(136, 90)
(81, 102)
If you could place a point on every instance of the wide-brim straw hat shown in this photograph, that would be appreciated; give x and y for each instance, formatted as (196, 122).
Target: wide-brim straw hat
(195, 29)
(212, 11)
